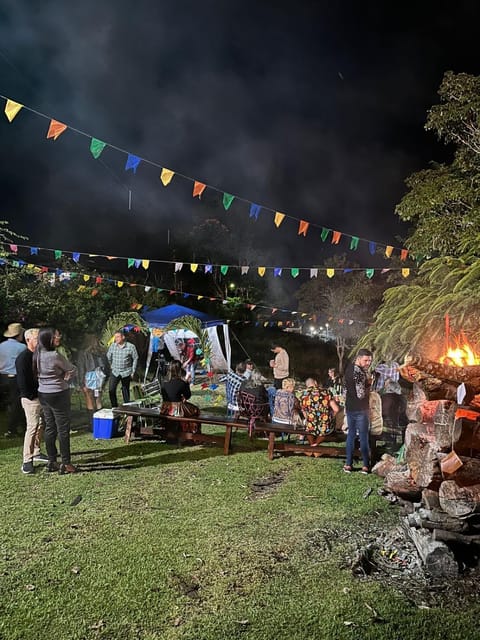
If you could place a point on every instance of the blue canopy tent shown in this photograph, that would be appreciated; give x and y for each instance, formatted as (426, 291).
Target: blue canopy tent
(160, 318)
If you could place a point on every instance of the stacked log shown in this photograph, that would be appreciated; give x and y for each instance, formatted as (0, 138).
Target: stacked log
(441, 475)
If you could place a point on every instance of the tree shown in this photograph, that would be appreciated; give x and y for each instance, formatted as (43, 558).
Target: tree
(443, 202)
(444, 205)
(412, 317)
(348, 301)
(41, 299)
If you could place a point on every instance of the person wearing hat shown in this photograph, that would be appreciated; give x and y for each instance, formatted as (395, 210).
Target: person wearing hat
(280, 365)
(9, 350)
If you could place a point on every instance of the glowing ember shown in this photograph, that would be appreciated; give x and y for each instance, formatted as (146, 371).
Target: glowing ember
(462, 355)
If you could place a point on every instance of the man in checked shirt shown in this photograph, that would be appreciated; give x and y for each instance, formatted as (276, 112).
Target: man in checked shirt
(123, 358)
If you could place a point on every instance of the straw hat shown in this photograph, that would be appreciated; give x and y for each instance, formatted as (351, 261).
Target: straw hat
(15, 329)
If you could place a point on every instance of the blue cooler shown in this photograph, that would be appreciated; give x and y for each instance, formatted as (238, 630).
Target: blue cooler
(104, 424)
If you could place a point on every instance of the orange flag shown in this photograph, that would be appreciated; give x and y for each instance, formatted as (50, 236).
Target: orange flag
(403, 254)
(55, 129)
(303, 228)
(336, 235)
(198, 188)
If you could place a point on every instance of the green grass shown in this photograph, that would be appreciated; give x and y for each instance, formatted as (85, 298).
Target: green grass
(173, 543)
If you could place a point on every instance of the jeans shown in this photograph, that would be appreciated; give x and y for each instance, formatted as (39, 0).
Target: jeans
(358, 422)
(272, 392)
(112, 389)
(56, 411)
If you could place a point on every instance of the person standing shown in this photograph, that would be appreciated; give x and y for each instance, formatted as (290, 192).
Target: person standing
(9, 350)
(189, 359)
(54, 373)
(28, 389)
(280, 365)
(384, 371)
(357, 409)
(122, 357)
(92, 366)
(233, 381)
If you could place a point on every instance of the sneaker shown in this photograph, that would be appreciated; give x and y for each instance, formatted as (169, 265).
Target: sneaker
(67, 468)
(347, 468)
(41, 458)
(365, 471)
(52, 466)
(28, 468)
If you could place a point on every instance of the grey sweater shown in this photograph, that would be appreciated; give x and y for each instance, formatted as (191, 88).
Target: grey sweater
(54, 372)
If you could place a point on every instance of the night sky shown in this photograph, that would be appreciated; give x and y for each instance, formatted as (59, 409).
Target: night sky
(314, 109)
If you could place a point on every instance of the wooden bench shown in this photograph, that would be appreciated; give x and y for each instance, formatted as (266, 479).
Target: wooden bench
(274, 430)
(136, 414)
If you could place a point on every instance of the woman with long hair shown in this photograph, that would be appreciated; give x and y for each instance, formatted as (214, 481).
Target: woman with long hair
(54, 373)
(92, 365)
(175, 392)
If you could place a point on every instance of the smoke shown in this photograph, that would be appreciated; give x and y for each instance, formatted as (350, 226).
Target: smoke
(311, 110)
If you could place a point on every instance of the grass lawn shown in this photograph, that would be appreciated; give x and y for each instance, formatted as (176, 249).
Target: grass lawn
(153, 541)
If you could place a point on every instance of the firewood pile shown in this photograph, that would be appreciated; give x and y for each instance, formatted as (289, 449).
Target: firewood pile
(439, 483)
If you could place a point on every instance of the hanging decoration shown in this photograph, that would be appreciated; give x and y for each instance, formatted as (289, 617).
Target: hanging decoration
(97, 146)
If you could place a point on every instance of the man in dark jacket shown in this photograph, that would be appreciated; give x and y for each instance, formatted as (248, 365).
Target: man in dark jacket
(28, 389)
(357, 410)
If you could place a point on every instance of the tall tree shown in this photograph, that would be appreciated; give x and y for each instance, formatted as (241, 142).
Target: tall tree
(444, 206)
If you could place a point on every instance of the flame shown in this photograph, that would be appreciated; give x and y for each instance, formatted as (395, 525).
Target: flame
(462, 355)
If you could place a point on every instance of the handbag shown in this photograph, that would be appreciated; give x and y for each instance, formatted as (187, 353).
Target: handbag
(94, 379)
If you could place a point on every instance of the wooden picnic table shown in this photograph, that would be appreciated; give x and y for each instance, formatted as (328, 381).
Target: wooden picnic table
(323, 449)
(136, 416)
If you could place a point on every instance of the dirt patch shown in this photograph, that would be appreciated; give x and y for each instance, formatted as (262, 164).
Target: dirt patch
(264, 487)
(389, 557)
(186, 586)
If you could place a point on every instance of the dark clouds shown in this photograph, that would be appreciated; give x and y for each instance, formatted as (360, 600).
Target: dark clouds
(315, 109)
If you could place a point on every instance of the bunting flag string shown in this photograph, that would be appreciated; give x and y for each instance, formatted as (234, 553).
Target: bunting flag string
(261, 270)
(67, 276)
(97, 146)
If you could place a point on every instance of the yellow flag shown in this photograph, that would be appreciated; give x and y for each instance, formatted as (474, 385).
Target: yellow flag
(119, 284)
(11, 109)
(166, 176)
(278, 218)
(86, 278)
(405, 273)
(199, 297)
(388, 251)
(330, 273)
(261, 271)
(145, 264)
(193, 267)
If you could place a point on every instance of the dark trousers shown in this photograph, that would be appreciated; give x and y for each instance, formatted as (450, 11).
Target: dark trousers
(15, 415)
(56, 411)
(112, 389)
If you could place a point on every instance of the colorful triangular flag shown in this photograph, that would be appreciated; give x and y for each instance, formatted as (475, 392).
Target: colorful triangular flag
(11, 109)
(55, 129)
